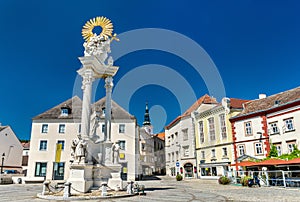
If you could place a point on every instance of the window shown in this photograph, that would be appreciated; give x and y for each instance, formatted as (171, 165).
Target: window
(241, 150)
(186, 151)
(169, 157)
(291, 145)
(64, 111)
(103, 128)
(143, 146)
(177, 156)
(213, 153)
(185, 134)
(79, 128)
(203, 154)
(43, 145)
(122, 144)
(278, 147)
(248, 128)
(122, 128)
(61, 128)
(273, 128)
(172, 156)
(62, 142)
(211, 124)
(201, 132)
(58, 170)
(45, 128)
(258, 148)
(40, 169)
(225, 151)
(103, 111)
(223, 126)
(289, 125)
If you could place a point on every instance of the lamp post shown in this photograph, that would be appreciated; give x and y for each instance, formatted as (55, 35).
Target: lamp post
(3, 155)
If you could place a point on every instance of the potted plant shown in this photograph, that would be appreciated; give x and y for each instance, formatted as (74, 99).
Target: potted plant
(178, 177)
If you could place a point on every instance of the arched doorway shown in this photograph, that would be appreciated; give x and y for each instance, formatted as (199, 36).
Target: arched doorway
(188, 170)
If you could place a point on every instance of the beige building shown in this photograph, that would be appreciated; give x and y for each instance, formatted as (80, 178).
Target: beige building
(61, 124)
(214, 144)
(10, 150)
(180, 141)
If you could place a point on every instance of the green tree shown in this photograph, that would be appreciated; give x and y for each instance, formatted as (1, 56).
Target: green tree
(273, 151)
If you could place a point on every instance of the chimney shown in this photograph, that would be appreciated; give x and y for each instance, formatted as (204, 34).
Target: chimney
(262, 96)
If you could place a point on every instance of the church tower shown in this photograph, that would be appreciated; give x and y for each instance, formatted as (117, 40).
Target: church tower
(146, 116)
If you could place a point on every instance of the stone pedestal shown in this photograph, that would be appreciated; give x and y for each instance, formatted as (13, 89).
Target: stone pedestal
(115, 182)
(81, 177)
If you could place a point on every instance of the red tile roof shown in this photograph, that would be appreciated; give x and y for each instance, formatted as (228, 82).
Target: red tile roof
(205, 99)
(272, 101)
(237, 103)
(161, 135)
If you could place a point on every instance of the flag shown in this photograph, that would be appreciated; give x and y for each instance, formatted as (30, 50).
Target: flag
(58, 152)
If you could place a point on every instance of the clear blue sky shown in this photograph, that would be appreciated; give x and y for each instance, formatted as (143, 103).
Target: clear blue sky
(255, 46)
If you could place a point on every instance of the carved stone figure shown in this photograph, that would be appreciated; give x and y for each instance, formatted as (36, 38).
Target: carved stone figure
(80, 150)
(115, 153)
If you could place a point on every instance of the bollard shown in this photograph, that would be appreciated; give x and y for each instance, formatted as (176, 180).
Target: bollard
(67, 190)
(45, 188)
(130, 187)
(104, 189)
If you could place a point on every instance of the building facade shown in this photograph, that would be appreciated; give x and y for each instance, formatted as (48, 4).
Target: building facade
(268, 120)
(180, 141)
(147, 161)
(10, 150)
(61, 124)
(214, 144)
(159, 154)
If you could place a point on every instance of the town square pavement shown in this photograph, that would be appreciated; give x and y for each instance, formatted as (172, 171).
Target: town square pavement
(168, 189)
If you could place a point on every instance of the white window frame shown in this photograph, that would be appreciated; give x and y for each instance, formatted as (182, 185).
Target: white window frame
(223, 126)
(203, 154)
(44, 146)
(122, 144)
(45, 128)
(225, 151)
(185, 134)
(258, 148)
(62, 142)
(211, 127)
(241, 147)
(213, 153)
(201, 131)
(121, 128)
(61, 128)
(274, 128)
(289, 124)
(248, 128)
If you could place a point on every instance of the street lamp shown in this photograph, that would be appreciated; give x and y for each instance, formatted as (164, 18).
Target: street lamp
(3, 155)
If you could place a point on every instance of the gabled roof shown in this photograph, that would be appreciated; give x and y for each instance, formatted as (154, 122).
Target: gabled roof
(271, 102)
(205, 99)
(117, 112)
(3, 127)
(75, 105)
(236, 103)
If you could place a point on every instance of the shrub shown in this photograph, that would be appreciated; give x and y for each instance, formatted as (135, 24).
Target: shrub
(178, 177)
(224, 180)
(244, 180)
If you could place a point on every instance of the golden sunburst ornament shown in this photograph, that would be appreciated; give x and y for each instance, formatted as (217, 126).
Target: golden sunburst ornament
(103, 22)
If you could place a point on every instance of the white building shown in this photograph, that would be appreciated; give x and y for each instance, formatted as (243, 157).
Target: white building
(10, 150)
(180, 141)
(61, 124)
(147, 146)
(265, 121)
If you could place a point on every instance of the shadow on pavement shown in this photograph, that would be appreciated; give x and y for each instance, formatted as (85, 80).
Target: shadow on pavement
(158, 188)
(145, 178)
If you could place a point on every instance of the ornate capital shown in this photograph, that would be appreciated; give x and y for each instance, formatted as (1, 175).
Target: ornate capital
(87, 78)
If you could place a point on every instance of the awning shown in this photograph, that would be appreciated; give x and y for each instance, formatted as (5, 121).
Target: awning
(268, 162)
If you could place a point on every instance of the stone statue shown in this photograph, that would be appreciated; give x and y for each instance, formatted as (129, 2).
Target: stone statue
(94, 123)
(78, 147)
(115, 153)
(98, 46)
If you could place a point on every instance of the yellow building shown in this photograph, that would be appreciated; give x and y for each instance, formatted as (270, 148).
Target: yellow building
(214, 144)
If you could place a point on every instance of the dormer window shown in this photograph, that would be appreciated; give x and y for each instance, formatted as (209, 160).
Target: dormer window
(103, 111)
(65, 111)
